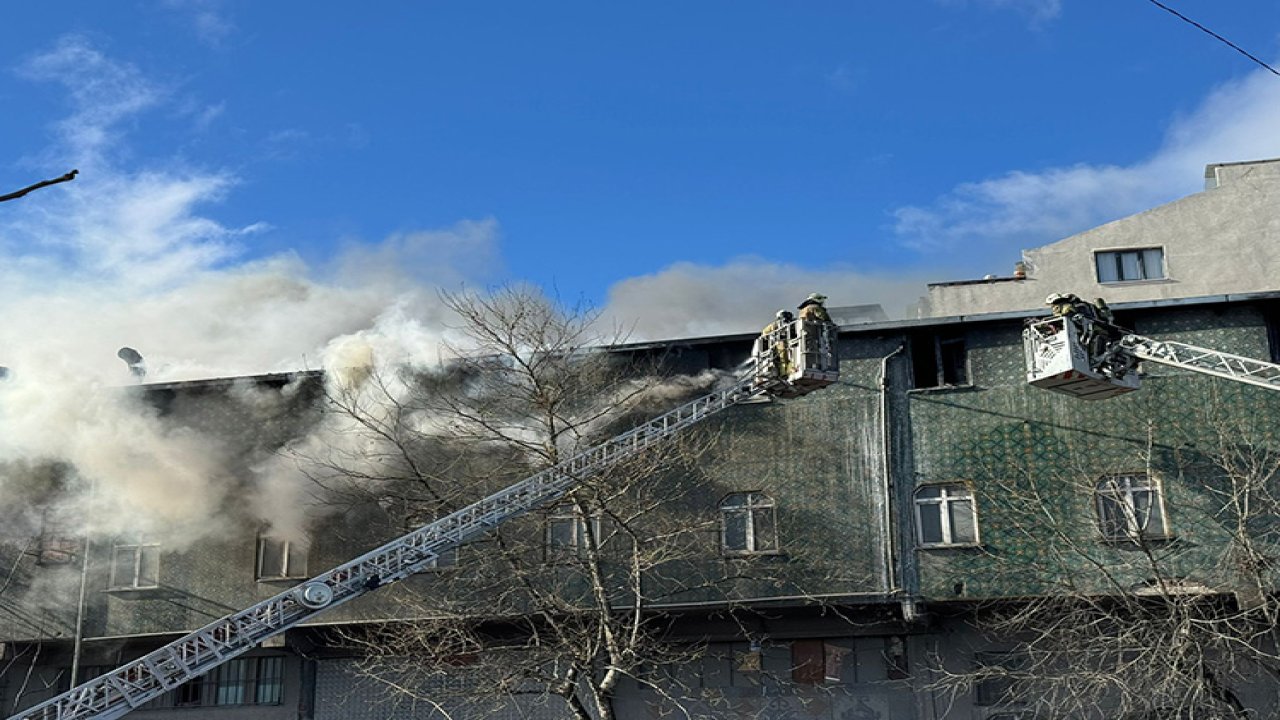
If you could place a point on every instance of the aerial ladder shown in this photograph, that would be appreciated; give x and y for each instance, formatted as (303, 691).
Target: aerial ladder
(791, 360)
(1087, 358)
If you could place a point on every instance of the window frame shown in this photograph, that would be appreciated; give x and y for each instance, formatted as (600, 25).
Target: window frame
(932, 360)
(287, 552)
(569, 513)
(749, 510)
(257, 680)
(1117, 255)
(137, 548)
(943, 503)
(56, 544)
(1125, 500)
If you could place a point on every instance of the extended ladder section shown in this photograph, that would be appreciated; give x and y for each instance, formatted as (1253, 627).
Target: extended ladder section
(116, 693)
(1091, 360)
(1203, 360)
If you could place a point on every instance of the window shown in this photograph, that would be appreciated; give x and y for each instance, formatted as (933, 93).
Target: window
(1130, 508)
(567, 532)
(446, 559)
(939, 360)
(281, 559)
(999, 674)
(945, 515)
(748, 524)
(135, 564)
(1126, 265)
(817, 662)
(57, 543)
(243, 681)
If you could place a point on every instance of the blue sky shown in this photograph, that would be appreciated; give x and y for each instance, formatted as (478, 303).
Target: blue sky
(661, 160)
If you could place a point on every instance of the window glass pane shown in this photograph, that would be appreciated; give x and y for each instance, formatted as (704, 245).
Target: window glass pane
(930, 523)
(808, 662)
(1153, 263)
(1129, 266)
(929, 491)
(766, 538)
(270, 558)
(270, 680)
(231, 680)
(296, 562)
(1106, 267)
(123, 559)
(149, 566)
(1111, 518)
(962, 525)
(561, 532)
(734, 500)
(735, 531)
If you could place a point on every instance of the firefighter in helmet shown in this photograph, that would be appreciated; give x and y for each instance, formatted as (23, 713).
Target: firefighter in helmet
(813, 310)
(774, 339)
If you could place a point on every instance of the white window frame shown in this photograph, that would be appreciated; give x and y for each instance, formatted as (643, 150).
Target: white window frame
(291, 554)
(759, 517)
(134, 554)
(1144, 271)
(949, 494)
(1123, 492)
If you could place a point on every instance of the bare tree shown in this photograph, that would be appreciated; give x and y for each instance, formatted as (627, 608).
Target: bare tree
(565, 604)
(1151, 586)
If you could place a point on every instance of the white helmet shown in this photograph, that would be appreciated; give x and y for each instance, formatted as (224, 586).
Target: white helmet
(817, 297)
(1055, 298)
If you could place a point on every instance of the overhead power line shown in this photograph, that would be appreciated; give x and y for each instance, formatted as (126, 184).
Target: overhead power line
(1202, 28)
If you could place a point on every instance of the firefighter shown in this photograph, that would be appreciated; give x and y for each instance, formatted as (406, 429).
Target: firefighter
(775, 343)
(1093, 322)
(812, 309)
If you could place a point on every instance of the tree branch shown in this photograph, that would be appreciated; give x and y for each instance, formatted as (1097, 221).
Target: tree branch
(42, 184)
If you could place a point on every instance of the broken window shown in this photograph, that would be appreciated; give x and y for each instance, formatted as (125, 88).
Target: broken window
(58, 543)
(281, 559)
(939, 360)
(135, 564)
(1130, 508)
(1128, 265)
(946, 515)
(818, 662)
(748, 524)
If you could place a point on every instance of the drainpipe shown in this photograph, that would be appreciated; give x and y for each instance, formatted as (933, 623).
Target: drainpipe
(889, 575)
(84, 585)
(79, 639)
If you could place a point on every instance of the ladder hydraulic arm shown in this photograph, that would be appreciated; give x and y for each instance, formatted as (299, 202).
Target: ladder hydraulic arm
(117, 692)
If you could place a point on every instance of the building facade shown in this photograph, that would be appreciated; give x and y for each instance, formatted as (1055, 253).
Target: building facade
(1222, 241)
(897, 546)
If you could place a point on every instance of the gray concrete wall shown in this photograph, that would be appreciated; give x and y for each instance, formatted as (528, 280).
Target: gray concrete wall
(1223, 240)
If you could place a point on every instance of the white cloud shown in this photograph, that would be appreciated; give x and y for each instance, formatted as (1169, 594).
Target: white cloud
(103, 92)
(1023, 209)
(1038, 11)
(207, 18)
